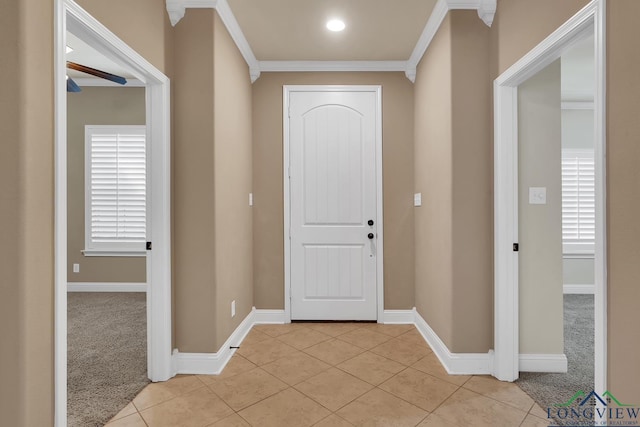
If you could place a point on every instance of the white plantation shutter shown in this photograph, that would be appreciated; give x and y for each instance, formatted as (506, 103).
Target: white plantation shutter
(115, 188)
(578, 201)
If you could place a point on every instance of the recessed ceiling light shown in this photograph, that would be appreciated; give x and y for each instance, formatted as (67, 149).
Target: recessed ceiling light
(335, 25)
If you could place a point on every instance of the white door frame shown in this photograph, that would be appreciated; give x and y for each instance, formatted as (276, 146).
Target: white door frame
(287, 90)
(589, 20)
(70, 16)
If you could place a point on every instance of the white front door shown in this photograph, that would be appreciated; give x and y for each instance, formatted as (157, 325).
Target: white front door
(333, 210)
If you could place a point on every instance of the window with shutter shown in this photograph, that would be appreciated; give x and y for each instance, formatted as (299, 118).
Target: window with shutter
(578, 201)
(115, 183)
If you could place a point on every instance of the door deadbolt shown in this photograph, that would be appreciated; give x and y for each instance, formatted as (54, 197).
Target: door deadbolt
(370, 222)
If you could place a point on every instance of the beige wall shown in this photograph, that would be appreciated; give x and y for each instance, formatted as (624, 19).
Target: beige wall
(233, 182)
(11, 327)
(194, 180)
(433, 178)
(26, 213)
(212, 182)
(96, 106)
(472, 154)
(268, 215)
(540, 226)
(453, 171)
(623, 198)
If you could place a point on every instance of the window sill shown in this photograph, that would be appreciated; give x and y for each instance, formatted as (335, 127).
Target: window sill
(114, 253)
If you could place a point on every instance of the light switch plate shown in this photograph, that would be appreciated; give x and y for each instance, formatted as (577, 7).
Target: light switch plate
(250, 199)
(417, 199)
(537, 195)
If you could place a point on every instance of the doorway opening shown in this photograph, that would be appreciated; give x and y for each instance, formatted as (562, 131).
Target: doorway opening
(72, 19)
(556, 210)
(589, 22)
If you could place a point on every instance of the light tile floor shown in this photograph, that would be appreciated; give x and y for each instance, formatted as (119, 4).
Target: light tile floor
(332, 375)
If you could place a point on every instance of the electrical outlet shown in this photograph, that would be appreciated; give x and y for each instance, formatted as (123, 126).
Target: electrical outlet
(76, 268)
(417, 199)
(233, 308)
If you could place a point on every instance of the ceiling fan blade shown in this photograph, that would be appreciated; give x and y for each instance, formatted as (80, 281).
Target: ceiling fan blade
(72, 86)
(97, 73)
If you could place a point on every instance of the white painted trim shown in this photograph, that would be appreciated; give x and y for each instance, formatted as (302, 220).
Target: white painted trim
(454, 363)
(287, 89)
(89, 82)
(399, 317)
(487, 11)
(574, 289)
(238, 37)
(590, 19)
(262, 316)
(543, 363)
(60, 215)
(304, 66)
(177, 8)
(106, 287)
(438, 14)
(213, 363)
(379, 205)
(600, 255)
(71, 17)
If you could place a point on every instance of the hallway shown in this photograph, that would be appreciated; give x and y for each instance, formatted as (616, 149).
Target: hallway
(332, 374)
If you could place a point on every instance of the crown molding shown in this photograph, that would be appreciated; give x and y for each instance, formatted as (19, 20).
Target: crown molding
(438, 14)
(486, 10)
(229, 20)
(310, 66)
(176, 10)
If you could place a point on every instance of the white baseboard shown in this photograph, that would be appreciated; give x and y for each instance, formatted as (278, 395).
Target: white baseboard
(261, 316)
(454, 363)
(543, 363)
(213, 363)
(106, 287)
(579, 289)
(401, 317)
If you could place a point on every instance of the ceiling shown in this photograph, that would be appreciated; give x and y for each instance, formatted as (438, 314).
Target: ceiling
(294, 30)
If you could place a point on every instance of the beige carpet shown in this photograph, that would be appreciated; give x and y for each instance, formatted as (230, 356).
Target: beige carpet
(107, 354)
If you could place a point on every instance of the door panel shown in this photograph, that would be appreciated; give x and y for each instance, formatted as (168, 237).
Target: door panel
(332, 143)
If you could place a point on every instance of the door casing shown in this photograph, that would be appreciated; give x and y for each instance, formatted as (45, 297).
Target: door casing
(70, 16)
(287, 90)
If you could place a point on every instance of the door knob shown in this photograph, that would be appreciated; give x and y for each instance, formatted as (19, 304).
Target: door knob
(370, 236)
(370, 222)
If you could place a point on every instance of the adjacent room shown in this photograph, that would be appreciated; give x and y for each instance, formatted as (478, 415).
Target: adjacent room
(106, 166)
